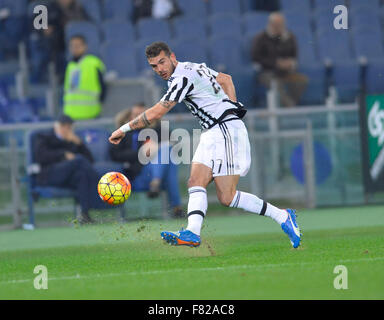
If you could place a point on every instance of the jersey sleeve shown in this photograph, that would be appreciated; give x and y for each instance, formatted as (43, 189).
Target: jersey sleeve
(213, 72)
(179, 88)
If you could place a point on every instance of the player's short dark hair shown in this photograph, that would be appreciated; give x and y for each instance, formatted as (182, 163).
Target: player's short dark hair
(154, 49)
(80, 37)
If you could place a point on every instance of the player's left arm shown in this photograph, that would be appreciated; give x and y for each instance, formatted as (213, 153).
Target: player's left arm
(143, 120)
(225, 81)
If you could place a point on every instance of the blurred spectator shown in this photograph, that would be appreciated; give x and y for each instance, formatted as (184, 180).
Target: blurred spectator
(159, 9)
(150, 177)
(48, 45)
(275, 50)
(67, 163)
(84, 87)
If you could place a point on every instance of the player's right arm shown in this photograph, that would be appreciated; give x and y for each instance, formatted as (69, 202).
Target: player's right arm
(143, 120)
(225, 81)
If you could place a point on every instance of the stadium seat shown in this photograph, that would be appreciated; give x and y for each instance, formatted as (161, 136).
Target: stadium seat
(17, 8)
(316, 90)
(226, 53)
(228, 6)
(368, 45)
(375, 77)
(120, 58)
(225, 24)
(295, 6)
(245, 83)
(297, 22)
(114, 30)
(193, 50)
(335, 46)
(362, 4)
(255, 22)
(346, 78)
(327, 5)
(153, 29)
(187, 26)
(142, 65)
(86, 29)
(196, 8)
(365, 21)
(93, 9)
(117, 9)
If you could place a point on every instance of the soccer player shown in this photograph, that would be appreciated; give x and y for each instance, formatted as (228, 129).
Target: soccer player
(223, 153)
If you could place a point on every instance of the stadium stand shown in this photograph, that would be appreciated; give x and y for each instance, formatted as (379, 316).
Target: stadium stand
(218, 24)
(217, 6)
(117, 9)
(188, 27)
(97, 142)
(93, 10)
(205, 30)
(152, 29)
(87, 29)
(120, 58)
(115, 30)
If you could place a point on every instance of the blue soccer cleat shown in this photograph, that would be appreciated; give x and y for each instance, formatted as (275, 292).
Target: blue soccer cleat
(181, 238)
(291, 228)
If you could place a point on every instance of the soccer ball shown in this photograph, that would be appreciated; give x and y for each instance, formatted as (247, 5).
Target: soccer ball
(114, 188)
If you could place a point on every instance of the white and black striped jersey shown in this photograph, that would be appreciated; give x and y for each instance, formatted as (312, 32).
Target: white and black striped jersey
(195, 84)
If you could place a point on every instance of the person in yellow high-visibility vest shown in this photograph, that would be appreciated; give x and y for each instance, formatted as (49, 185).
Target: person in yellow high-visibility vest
(84, 88)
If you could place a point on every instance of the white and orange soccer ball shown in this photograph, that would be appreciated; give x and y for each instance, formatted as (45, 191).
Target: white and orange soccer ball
(114, 188)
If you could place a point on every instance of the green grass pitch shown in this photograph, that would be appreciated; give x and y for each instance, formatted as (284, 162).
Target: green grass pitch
(242, 256)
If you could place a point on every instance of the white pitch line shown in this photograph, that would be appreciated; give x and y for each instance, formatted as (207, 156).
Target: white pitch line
(246, 266)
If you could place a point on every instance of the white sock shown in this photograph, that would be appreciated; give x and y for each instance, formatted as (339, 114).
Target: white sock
(251, 203)
(197, 208)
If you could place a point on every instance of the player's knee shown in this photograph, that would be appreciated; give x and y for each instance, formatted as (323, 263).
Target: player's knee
(193, 182)
(226, 199)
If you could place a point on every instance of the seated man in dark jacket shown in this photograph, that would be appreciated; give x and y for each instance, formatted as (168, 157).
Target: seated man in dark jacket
(151, 177)
(67, 163)
(275, 49)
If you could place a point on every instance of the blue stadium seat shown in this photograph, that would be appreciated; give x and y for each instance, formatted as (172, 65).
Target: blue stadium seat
(155, 29)
(17, 8)
(118, 9)
(93, 9)
(335, 46)
(297, 22)
(193, 50)
(187, 26)
(86, 29)
(226, 53)
(375, 77)
(230, 6)
(306, 53)
(225, 23)
(120, 57)
(141, 59)
(295, 5)
(316, 90)
(365, 21)
(327, 5)
(196, 8)
(362, 4)
(118, 31)
(368, 45)
(255, 22)
(346, 77)
(245, 83)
